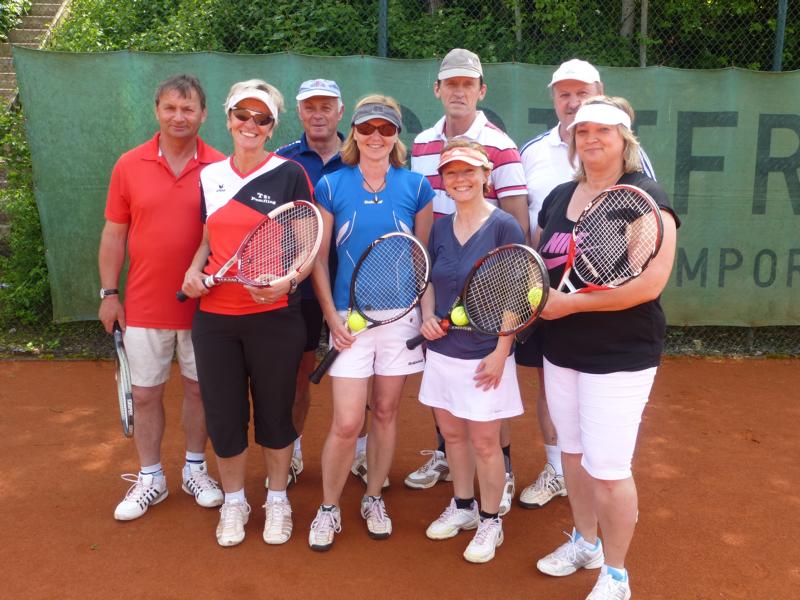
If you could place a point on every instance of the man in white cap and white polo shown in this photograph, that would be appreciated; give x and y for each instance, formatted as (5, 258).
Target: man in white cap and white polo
(460, 86)
(547, 165)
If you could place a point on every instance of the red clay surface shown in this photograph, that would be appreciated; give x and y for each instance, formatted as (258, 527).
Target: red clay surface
(718, 471)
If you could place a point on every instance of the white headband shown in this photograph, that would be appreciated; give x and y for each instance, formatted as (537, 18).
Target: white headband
(256, 94)
(605, 114)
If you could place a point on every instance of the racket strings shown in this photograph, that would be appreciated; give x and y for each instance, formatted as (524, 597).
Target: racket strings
(279, 245)
(616, 238)
(390, 279)
(496, 298)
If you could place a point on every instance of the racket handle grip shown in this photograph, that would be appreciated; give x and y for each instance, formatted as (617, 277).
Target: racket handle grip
(323, 366)
(181, 296)
(415, 341)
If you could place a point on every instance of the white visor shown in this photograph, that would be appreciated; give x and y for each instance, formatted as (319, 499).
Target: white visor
(605, 114)
(256, 94)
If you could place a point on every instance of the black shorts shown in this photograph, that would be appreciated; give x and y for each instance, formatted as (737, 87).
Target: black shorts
(530, 354)
(248, 355)
(312, 315)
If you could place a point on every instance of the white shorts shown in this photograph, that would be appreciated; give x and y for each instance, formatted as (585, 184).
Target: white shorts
(150, 353)
(448, 384)
(598, 416)
(381, 351)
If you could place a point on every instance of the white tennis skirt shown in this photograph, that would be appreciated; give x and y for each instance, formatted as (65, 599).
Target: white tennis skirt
(448, 383)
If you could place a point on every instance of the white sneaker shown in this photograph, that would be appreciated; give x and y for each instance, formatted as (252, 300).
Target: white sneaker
(295, 468)
(278, 524)
(546, 487)
(373, 511)
(431, 473)
(608, 588)
(198, 483)
(145, 491)
(488, 537)
(325, 525)
(508, 494)
(571, 556)
(453, 520)
(233, 517)
(359, 469)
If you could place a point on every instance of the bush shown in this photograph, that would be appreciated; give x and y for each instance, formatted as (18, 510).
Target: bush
(25, 288)
(11, 12)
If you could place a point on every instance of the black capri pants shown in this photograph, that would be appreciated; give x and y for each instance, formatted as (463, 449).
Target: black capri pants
(257, 353)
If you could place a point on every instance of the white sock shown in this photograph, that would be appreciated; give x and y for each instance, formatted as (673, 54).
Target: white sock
(237, 496)
(361, 445)
(152, 470)
(195, 457)
(298, 451)
(554, 458)
(273, 495)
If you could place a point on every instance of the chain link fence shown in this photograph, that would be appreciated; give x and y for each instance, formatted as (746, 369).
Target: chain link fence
(694, 35)
(752, 34)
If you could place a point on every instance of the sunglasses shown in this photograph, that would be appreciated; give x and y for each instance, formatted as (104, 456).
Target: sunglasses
(259, 118)
(386, 130)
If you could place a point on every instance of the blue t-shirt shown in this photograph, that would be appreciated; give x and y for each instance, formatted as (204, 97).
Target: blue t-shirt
(299, 151)
(358, 220)
(452, 263)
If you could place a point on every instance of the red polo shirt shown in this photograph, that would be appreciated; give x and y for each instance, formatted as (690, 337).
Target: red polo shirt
(163, 212)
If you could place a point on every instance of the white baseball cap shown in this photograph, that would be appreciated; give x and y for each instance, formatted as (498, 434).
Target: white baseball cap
(576, 70)
(318, 87)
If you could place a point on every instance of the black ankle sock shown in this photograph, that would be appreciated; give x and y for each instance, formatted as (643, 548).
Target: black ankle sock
(485, 515)
(464, 502)
(507, 457)
(439, 437)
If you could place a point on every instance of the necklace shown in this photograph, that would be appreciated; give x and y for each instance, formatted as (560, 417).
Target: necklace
(374, 191)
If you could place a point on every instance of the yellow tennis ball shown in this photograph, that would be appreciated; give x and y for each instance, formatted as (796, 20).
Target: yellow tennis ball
(534, 296)
(459, 316)
(356, 322)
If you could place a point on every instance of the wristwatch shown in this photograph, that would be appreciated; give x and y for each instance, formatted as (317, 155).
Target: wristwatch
(108, 292)
(293, 286)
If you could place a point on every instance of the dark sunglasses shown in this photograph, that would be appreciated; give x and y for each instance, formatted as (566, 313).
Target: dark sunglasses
(386, 130)
(259, 118)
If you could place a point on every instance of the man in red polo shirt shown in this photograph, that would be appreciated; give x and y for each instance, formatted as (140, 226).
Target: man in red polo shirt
(153, 209)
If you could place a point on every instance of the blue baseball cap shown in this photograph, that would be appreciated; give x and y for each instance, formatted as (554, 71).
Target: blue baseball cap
(318, 87)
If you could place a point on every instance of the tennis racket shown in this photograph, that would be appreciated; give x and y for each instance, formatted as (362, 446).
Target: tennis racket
(614, 239)
(276, 250)
(504, 292)
(388, 281)
(123, 377)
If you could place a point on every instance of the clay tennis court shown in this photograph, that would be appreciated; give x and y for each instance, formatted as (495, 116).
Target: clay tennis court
(718, 470)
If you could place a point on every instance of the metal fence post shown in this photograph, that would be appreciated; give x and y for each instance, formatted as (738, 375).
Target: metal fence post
(643, 35)
(780, 30)
(383, 26)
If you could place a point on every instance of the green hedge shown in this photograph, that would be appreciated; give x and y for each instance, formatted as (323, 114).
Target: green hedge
(11, 12)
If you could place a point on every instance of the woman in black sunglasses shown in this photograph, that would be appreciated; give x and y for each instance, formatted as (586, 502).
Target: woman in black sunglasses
(247, 339)
(374, 195)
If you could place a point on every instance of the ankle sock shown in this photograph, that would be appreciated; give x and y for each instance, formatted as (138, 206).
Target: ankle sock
(485, 515)
(617, 574)
(237, 496)
(152, 470)
(361, 445)
(464, 503)
(554, 458)
(277, 495)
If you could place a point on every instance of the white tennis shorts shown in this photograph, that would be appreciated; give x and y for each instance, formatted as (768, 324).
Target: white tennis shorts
(381, 351)
(150, 353)
(598, 416)
(449, 383)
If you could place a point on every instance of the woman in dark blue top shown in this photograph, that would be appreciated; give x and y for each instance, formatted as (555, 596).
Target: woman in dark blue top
(470, 379)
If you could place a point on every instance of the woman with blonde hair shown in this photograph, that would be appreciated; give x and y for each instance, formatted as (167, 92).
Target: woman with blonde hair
(598, 383)
(248, 341)
(372, 196)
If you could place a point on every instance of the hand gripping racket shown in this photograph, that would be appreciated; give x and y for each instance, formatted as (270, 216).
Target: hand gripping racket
(504, 292)
(388, 281)
(614, 239)
(276, 250)
(123, 377)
